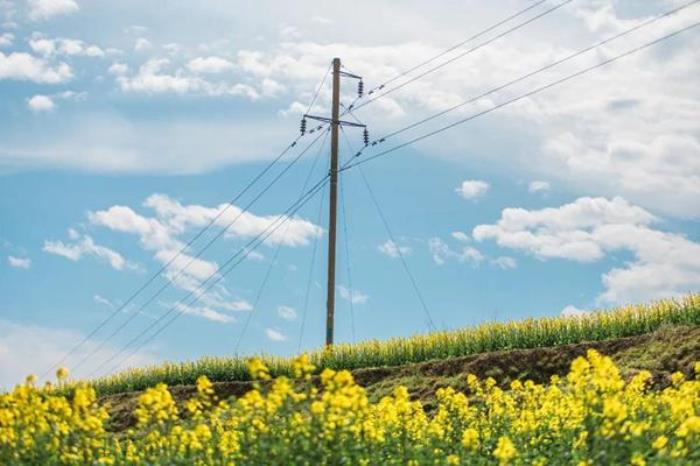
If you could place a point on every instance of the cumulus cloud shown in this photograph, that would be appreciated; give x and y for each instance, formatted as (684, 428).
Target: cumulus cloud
(142, 44)
(61, 46)
(573, 311)
(538, 186)
(441, 252)
(275, 335)
(589, 229)
(22, 66)
(45, 9)
(205, 312)
(393, 250)
(287, 313)
(160, 233)
(41, 103)
(118, 69)
(472, 189)
(353, 296)
(6, 39)
(206, 65)
(84, 245)
(505, 262)
(19, 262)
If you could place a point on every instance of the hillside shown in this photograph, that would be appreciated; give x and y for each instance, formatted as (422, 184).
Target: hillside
(610, 324)
(662, 352)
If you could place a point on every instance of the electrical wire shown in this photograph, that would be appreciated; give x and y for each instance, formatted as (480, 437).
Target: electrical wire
(569, 77)
(184, 248)
(533, 73)
(461, 55)
(347, 261)
(221, 232)
(385, 222)
(198, 293)
(276, 254)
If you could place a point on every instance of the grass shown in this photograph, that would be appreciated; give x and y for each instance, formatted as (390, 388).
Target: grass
(622, 322)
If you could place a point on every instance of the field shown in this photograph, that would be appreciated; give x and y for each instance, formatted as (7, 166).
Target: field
(536, 333)
(616, 387)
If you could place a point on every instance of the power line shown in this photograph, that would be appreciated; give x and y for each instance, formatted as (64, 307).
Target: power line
(276, 254)
(518, 98)
(179, 253)
(318, 89)
(221, 232)
(450, 49)
(535, 72)
(464, 42)
(457, 57)
(196, 294)
(347, 260)
(305, 307)
(385, 222)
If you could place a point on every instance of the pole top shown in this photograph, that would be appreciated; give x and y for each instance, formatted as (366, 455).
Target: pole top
(336, 60)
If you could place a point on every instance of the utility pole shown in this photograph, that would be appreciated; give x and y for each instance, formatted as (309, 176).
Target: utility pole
(333, 204)
(335, 124)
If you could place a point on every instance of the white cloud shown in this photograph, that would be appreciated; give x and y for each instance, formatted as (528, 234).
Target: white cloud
(205, 313)
(41, 103)
(71, 47)
(19, 262)
(86, 246)
(45, 9)
(393, 250)
(118, 69)
(275, 335)
(441, 253)
(209, 65)
(472, 189)
(505, 262)
(538, 187)
(142, 44)
(354, 296)
(160, 234)
(6, 39)
(588, 229)
(31, 349)
(102, 300)
(461, 236)
(287, 313)
(151, 78)
(22, 66)
(573, 311)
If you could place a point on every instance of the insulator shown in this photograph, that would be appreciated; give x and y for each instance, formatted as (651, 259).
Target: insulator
(370, 92)
(358, 154)
(374, 143)
(365, 136)
(303, 126)
(381, 87)
(294, 143)
(319, 127)
(312, 131)
(382, 140)
(360, 88)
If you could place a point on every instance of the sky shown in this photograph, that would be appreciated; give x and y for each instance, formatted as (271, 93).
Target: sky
(127, 127)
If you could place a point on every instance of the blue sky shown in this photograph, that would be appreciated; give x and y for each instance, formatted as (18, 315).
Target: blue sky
(125, 126)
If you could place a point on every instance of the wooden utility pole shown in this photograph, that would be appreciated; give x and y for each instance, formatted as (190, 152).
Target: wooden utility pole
(333, 204)
(335, 122)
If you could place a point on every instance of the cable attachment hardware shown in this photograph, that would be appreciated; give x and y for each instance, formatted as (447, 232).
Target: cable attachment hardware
(365, 137)
(360, 88)
(303, 126)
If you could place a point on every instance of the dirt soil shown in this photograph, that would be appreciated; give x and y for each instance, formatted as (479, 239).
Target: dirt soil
(662, 352)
